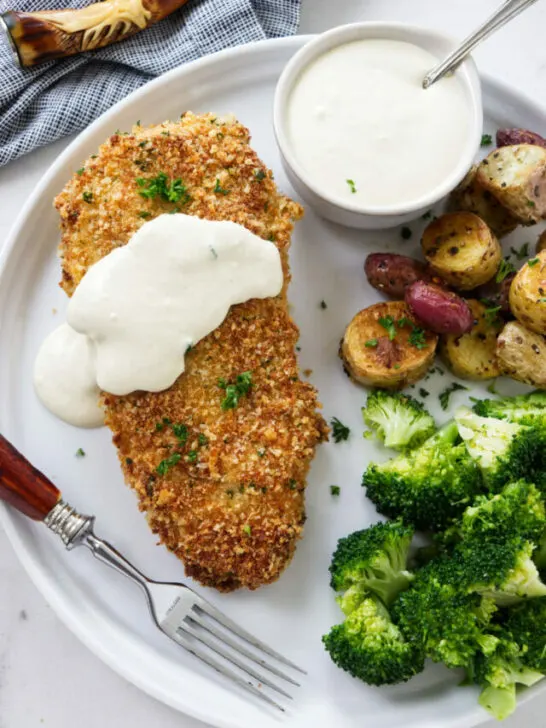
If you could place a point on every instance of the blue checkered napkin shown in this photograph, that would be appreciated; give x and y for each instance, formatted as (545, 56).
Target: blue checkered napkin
(39, 105)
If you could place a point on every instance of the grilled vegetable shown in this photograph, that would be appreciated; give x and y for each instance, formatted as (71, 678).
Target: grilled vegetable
(462, 250)
(384, 346)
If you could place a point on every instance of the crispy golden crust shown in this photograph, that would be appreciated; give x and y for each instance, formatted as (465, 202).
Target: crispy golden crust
(232, 507)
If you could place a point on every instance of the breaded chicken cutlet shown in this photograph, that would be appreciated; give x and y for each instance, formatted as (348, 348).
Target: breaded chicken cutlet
(223, 489)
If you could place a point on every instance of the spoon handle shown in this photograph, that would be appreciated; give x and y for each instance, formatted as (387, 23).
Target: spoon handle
(507, 11)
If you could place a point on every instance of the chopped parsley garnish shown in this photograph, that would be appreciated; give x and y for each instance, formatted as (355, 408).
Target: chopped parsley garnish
(81, 170)
(505, 268)
(340, 431)
(427, 215)
(387, 322)
(406, 233)
(424, 393)
(417, 338)
(261, 453)
(292, 484)
(522, 253)
(219, 189)
(247, 529)
(259, 174)
(445, 396)
(128, 461)
(160, 186)
(352, 186)
(236, 390)
(192, 456)
(491, 388)
(202, 439)
(533, 262)
(181, 432)
(80, 453)
(491, 314)
(168, 463)
(87, 196)
(214, 253)
(144, 214)
(371, 343)
(323, 305)
(271, 237)
(530, 203)
(335, 489)
(487, 140)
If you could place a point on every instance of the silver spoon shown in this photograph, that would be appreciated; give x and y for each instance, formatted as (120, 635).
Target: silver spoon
(500, 17)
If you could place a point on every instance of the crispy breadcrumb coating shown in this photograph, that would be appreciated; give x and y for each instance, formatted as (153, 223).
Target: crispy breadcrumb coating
(222, 488)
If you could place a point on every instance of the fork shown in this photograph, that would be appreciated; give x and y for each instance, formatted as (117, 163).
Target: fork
(506, 12)
(179, 612)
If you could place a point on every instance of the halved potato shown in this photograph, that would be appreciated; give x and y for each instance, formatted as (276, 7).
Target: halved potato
(384, 346)
(473, 355)
(528, 294)
(521, 354)
(516, 176)
(461, 249)
(471, 196)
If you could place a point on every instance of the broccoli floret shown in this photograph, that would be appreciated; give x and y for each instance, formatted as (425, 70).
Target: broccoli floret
(526, 625)
(525, 409)
(373, 559)
(505, 451)
(429, 486)
(370, 647)
(399, 420)
(502, 569)
(351, 599)
(518, 510)
(499, 673)
(438, 615)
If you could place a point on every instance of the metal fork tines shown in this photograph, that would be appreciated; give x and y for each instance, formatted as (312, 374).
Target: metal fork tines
(188, 619)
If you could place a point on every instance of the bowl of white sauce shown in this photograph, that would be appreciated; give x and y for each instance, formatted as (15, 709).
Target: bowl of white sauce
(360, 139)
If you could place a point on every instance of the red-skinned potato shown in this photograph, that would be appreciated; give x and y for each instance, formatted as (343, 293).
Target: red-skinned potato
(509, 137)
(496, 294)
(392, 274)
(439, 310)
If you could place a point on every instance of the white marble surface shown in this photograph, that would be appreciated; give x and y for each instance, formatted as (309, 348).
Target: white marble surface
(47, 678)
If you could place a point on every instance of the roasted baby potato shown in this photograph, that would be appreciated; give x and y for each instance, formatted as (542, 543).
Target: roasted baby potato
(392, 274)
(496, 294)
(461, 249)
(385, 347)
(528, 294)
(521, 354)
(473, 355)
(516, 176)
(470, 196)
(509, 137)
(439, 310)
(541, 242)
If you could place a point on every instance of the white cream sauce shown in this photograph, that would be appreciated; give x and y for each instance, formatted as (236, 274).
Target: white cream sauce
(364, 130)
(141, 307)
(65, 378)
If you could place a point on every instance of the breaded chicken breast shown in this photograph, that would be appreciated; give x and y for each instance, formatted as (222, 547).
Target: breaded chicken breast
(222, 488)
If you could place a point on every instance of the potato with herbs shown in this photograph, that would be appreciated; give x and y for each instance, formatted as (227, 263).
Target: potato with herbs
(521, 354)
(509, 137)
(528, 294)
(461, 249)
(516, 177)
(391, 274)
(471, 196)
(384, 346)
(474, 355)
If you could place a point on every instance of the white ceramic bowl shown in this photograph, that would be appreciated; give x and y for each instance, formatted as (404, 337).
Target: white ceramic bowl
(350, 213)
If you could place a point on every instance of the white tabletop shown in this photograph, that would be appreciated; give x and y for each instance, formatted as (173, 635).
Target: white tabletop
(47, 678)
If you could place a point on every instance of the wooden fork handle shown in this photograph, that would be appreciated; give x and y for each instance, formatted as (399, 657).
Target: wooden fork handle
(23, 486)
(45, 35)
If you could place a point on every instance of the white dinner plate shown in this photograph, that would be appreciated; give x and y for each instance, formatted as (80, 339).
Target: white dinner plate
(107, 612)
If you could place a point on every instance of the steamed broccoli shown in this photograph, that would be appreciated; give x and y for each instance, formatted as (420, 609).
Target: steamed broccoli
(501, 569)
(505, 451)
(499, 673)
(525, 409)
(518, 510)
(429, 486)
(526, 625)
(398, 419)
(370, 647)
(373, 559)
(438, 615)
